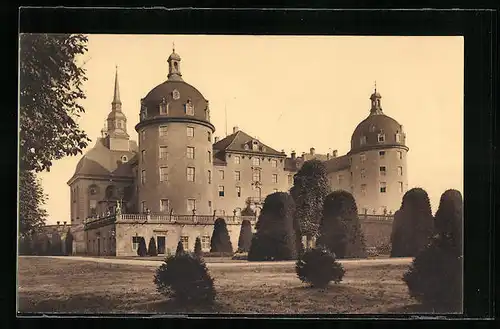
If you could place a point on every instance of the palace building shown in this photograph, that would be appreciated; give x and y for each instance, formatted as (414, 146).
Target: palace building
(178, 178)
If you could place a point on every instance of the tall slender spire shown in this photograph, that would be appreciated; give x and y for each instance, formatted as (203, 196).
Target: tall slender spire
(116, 94)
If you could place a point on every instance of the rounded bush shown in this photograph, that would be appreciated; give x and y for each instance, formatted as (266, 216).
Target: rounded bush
(318, 267)
(185, 278)
(449, 218)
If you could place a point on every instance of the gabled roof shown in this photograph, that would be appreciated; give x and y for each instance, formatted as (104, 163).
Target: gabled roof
(236, 142)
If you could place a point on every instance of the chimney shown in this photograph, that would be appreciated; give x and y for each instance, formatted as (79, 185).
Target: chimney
(58, 222)
(312, 150)
(216, 139)
(64, 223)
(328, 156)
(293, 154)
(334, 153)
(235, 129)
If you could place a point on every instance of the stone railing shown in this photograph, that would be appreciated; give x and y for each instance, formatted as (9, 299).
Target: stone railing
(376, 218)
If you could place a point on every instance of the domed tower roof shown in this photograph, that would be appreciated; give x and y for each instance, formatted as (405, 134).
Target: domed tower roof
(175, 99)
(377, 130)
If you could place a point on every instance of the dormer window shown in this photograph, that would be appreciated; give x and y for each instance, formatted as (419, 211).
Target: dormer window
(163, 107)
(372, 128)
(189, 108)
(144, 113)
(255, 145)
(124, 158)
(362, 140)
(175, 94)
(381, 137)
(246, 146)
(398, 137)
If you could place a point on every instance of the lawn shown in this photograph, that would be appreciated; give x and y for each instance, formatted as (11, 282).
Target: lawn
(69, 286)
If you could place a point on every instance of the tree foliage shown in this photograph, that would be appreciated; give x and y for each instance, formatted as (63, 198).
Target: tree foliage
(185, 277)
(50, 90)
(32, 216)
(310, 187)
(180, 248)
(318, 267)
(435, 275)
(220, 242)
(275, 235)
(197, 247)
(142, 249)
(152, 251)
(340, 230)
(245, 239)
(413, 224)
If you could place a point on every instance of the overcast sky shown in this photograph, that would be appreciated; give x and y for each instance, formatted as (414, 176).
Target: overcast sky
(293, 93)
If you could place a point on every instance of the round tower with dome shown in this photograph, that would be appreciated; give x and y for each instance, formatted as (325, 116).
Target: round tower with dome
(175, 148)
(378, 161)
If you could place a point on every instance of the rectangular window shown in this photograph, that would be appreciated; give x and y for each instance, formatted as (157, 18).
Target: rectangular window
(290, 179)
(161, 244)
(400, 171)
(381, 138)
(362, 140)
(143, 155)
(362, 157)
(209, 157)
(191, 205)
(143, 177)
(164, 205)
(383, 187)
(401, 189)
(400, 155)
(275, 178)
(363, 189)
(363, 173)
(382, 171)
(143, 207)
(190, 174)
(163, 108)
(398, 138)
(238, 191)
(209, 136)
(143, 135)
(163, 153)
(163, 131)
(237, 160)
(340, 179)
(190, 132)
(221, 174)
(237, 176)
(209, 177)
(256, 161)
(189, 108)
(135, 242)
(190, 152)
(163, 174)
(381, 154)
(256, 176)
(210, 206)
(185, 242)
(221, 190)
(205, 242)
(274, 163)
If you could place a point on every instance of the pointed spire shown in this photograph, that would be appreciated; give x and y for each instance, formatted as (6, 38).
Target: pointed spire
(116, 94)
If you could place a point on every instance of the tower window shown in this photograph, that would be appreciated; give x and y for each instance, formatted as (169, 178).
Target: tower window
(363, 189)
(163, 108)
(164, 205)
(163, 130)
(163, 174)
(221, 174)
(381, 154)
(143, 177)
(400, 171)
(400, 184)
(189, 108)
(398, 138)
(400, 155)
(237, 160)
(190, 152)
(238, 191)
(363, 173)
(221, 190)
(190, 174)
(362, 140)
(274, 163)
(383, 187)
(237, 176)
(143, 135)
(382, 171)
(381, 138)
(209, 136)
(209, 157)
(340, 179)
(209, 177)
(190, 132)
(362, 157)
(143, 155)
(275, 178)
(256, 161)
(163, 152)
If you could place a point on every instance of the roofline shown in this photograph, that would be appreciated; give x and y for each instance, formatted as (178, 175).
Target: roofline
(97, 177)
(163, 119)
(250, 152)
(377, 147)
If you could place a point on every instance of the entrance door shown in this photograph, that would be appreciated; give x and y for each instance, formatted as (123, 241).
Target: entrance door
(161, 244)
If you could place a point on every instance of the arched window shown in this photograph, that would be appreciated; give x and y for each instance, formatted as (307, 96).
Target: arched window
(124, 158)
(110, 192)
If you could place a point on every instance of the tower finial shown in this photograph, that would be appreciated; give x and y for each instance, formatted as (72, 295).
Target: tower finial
(173, 46)
(375, 85)
(116, 94)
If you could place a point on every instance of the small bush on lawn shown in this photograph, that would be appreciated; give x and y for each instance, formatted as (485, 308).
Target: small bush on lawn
(435, 275)
(197, 247)
(318, 267)
(180, 249)
(141, 250)
(152, 247)
(185, 278)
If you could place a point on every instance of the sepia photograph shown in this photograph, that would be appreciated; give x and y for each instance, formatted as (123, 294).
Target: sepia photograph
(240, 174)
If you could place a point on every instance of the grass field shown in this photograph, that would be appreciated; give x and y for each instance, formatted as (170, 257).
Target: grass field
(69, 286)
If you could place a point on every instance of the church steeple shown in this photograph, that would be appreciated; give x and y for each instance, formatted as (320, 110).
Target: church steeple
(375, 98)
(174, 65)
(116, 104)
